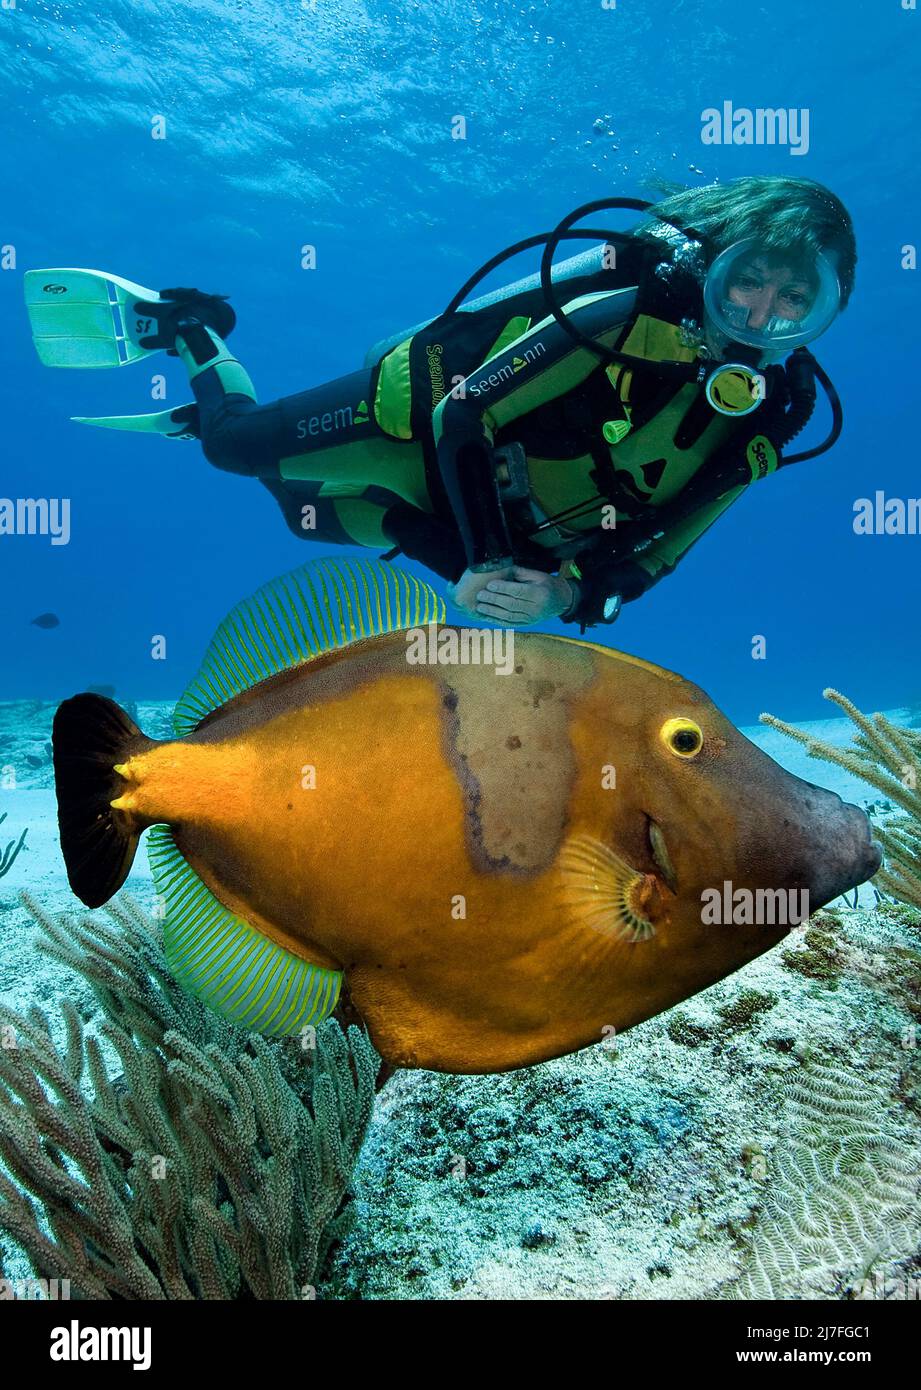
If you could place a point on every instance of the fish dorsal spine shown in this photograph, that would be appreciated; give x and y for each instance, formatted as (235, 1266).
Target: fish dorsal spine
(314, 609)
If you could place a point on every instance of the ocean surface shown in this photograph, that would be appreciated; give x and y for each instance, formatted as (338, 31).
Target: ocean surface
(333, 126)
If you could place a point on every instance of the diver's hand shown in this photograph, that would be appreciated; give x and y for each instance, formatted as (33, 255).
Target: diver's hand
(525, 597)
(464, 592)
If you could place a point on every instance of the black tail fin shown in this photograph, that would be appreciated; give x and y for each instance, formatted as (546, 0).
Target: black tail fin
(90, 735)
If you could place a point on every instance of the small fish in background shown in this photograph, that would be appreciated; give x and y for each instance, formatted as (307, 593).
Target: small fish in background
(46, 620)
(43, 758)
(439, 839)
(37, 760)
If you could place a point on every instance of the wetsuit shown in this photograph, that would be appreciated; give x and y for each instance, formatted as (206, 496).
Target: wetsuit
(401, 453)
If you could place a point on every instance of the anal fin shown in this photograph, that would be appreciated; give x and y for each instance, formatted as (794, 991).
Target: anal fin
(226, 962)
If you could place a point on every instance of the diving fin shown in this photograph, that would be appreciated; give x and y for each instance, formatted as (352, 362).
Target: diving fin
(179, 423)
(90, 318)
(86, 318)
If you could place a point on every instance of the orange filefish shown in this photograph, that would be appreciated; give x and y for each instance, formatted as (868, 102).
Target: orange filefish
(499, 861)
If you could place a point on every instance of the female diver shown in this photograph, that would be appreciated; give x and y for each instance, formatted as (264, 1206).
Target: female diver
(553, 448)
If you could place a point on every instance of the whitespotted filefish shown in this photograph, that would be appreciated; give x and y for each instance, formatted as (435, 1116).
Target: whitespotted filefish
(497, 867)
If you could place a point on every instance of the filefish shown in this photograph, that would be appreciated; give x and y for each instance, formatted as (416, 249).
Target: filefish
(493, 865)
(46, 620)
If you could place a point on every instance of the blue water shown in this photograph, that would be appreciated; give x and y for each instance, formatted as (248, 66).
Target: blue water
(289, 125)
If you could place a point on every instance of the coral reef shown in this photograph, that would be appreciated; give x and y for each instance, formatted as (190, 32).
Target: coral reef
(9, 855)
(649, 1168)
(744, 1009)
(163, 1154)
(819, 953)
(888, 758)
(686, 1030)
(843, 1194)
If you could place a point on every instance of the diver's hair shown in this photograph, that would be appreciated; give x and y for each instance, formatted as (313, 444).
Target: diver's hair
(795, 216)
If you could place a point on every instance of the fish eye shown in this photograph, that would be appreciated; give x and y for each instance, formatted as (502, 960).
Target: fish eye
(682, 737)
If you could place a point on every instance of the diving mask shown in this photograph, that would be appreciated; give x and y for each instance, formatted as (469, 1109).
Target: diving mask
(761, 298)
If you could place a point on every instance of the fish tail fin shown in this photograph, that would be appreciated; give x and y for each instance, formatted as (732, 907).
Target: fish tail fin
(91, 736)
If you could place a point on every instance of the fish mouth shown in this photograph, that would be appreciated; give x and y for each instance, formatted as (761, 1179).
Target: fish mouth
(848, 854)
(660, 855)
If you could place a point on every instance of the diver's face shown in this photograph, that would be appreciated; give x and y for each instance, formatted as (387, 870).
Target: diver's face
(769, 290)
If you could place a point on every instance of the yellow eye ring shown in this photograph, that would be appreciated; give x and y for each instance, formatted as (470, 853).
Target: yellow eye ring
(682, 737)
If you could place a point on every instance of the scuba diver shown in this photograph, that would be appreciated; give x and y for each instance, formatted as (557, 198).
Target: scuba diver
(553, 448)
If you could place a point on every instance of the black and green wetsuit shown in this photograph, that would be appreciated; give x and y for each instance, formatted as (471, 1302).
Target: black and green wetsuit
(401, 453)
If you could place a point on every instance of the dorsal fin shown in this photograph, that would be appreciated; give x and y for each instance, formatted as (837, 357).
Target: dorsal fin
(325, 604)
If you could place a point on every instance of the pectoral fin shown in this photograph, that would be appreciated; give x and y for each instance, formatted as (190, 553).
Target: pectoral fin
(601, 891)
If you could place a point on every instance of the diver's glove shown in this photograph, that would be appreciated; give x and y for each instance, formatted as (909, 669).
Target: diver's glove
(165, 314)
(525, 596)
